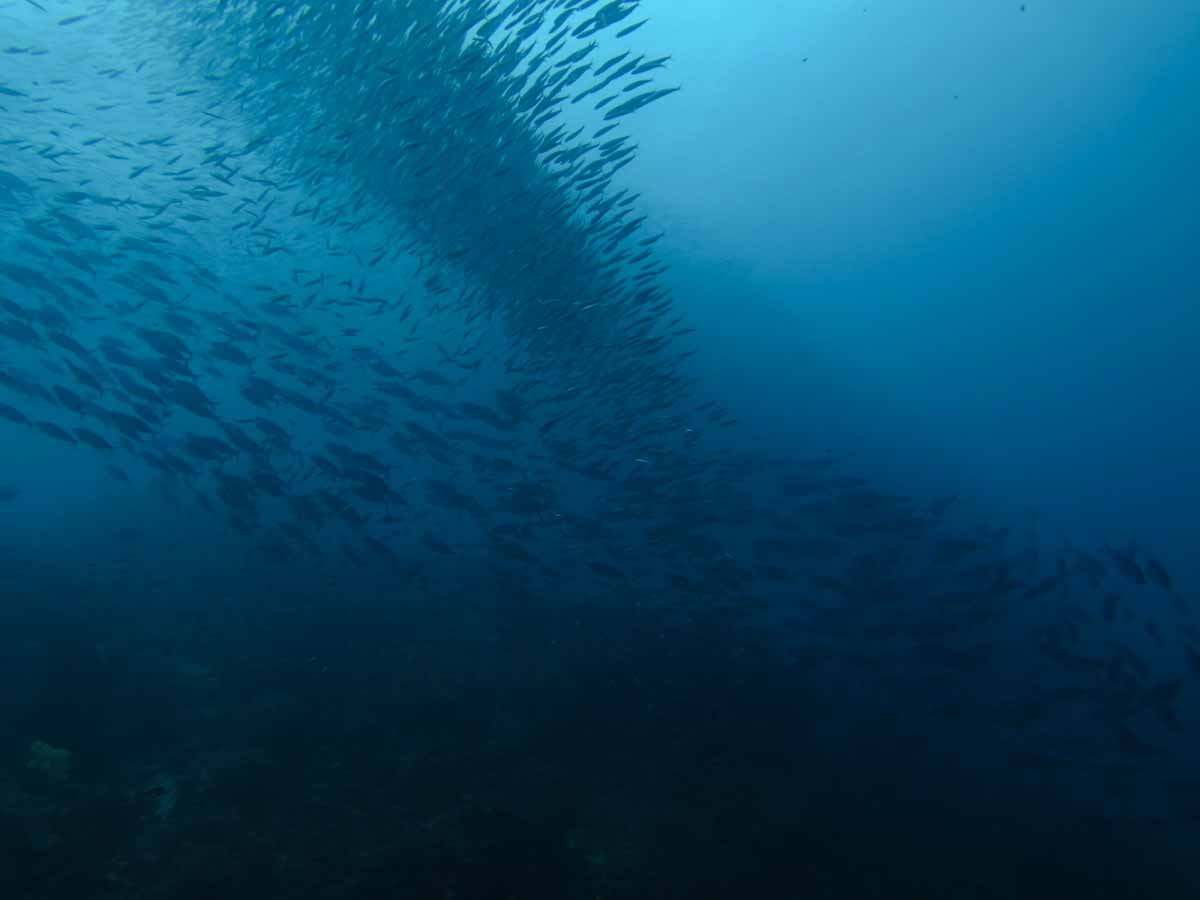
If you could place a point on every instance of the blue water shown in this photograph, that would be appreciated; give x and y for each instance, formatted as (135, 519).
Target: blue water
(426, 475)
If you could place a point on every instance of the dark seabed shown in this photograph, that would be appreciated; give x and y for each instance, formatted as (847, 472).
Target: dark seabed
(599, 449)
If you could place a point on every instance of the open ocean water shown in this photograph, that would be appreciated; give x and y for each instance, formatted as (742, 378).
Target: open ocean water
(599, 449)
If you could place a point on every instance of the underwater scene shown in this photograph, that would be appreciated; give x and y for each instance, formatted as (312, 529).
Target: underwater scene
(599, 449)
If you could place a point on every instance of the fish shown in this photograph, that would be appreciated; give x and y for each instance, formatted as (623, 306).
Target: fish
(437, 546)
(1158, 574)
(1111, 601)
(50, 429)
(1043, 587)
(1126, 564)
(606, 570)
(89, 437)
(641, 100)
(118, 473)
(12, 414)
(1193, 658)
(955, 549)
(1128, 742)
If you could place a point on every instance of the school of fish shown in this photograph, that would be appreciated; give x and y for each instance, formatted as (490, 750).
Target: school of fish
(357, 281)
